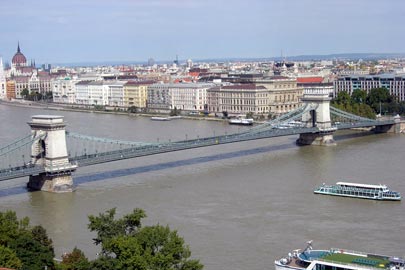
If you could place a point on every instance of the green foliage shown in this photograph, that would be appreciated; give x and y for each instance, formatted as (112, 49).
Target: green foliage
(25, 93)
(99, 107)
(356, 103)
(175, 112)
(48, 95)
(32, 254)
(107, 227)
(379, 96)
(104, 263)
(132, 109)
(359, 96)
(8, 258)
(249, 115)
(128, 245)
(125, 245)
(40, 235)
(343, 98)
(76, 260)
(31, 245)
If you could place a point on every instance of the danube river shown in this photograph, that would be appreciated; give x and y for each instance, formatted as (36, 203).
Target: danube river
(238, 206)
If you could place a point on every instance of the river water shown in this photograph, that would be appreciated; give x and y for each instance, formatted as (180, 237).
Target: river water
(238, 206)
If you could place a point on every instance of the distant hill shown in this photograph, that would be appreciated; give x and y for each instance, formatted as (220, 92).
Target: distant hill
(315, 57)
(338, 56)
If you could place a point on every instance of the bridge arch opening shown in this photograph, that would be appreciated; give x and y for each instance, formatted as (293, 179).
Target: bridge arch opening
(313, 118)
(42, 148)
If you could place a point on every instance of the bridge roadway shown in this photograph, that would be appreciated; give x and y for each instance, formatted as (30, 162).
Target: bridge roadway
(259, 132)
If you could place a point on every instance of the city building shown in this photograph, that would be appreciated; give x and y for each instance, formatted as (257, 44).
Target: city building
(19, 59)
(104, 93)
(115, 92)
(45, 82)
(284, 94)
(82, 93)
(158, 98)
(63, 90)
(238, 99)
(395, 83)
(3, 82)
(270, 95)
(21, 83)
(10, 89)
(183, 96)
(19, 65)
(135, 93)
(189, 96)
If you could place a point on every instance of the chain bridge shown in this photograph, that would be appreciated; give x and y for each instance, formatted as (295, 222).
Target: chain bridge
(50, 154)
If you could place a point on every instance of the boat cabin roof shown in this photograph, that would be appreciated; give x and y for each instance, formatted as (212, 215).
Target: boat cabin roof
(360, 185)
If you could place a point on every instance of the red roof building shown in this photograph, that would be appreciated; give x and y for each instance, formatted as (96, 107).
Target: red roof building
(309, 80)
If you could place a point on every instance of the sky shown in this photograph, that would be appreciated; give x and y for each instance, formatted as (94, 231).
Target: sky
(71, 31)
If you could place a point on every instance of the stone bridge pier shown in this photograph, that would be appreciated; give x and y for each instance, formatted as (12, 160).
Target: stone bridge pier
(318, 116)
(49, 151)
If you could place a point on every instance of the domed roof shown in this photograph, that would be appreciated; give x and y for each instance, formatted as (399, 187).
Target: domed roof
(19, 58)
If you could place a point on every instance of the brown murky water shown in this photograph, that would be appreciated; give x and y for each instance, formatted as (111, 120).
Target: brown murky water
(238, 206)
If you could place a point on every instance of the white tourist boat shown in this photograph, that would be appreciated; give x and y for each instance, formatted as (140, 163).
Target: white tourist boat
(337, 259)
(356, 190)
(241, 120)
(158, 118)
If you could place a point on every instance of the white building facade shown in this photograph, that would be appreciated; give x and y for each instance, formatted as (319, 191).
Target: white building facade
(115, 92)
(3, 82)
(63, 90)
(183, 96)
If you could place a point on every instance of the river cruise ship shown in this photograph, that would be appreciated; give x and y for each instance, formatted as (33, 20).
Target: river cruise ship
(363, 191)
(337, 259)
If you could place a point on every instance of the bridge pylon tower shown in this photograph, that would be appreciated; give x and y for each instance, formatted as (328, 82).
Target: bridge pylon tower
(318, 116)
(49, 151)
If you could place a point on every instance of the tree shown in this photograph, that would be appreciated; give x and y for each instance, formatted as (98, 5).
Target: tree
(359, 96)
(249, 115)
(107, 227)
(25, 93)
(175, 112)
(76, 260)
(132, 109)
(34, 251)
(377, 97)
(354, 104)
(40, 235)
(8, 258)
(128, 245)
(343, 98)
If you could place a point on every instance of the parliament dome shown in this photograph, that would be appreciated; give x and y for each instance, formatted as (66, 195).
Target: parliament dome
(19, 58)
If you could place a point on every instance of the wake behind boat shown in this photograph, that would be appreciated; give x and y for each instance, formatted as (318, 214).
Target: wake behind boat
(337, 259)
(356, 190)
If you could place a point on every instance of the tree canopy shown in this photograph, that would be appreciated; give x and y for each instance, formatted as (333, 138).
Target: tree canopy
(128, 245)
(354, 104)
(125, 244)
(378, 100)
(31, 245)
